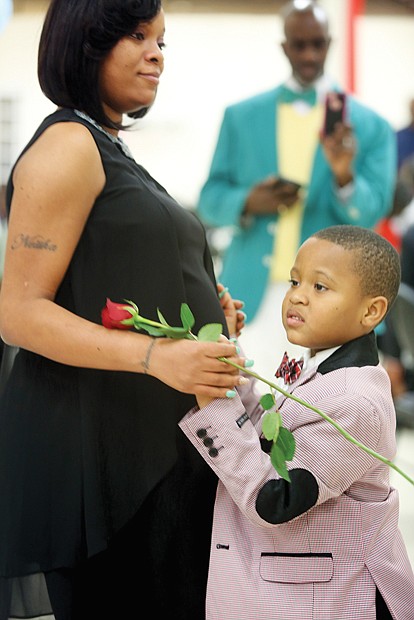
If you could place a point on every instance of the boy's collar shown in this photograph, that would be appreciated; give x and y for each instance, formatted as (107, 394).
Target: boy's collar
(356, 353)
(316, 360)
(359, 352)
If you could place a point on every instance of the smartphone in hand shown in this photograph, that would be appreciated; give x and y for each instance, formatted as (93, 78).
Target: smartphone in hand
(287, 183)
(335, 111)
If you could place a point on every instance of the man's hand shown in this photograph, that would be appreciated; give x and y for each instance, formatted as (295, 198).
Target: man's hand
(270, 197)
(340, 149)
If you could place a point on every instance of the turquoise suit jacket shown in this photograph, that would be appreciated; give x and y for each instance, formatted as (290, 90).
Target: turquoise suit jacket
(246, 154)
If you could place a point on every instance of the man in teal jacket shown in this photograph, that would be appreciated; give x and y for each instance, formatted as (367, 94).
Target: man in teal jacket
(346, 177)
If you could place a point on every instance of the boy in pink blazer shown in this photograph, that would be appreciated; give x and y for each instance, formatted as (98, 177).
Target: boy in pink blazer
(325, 546)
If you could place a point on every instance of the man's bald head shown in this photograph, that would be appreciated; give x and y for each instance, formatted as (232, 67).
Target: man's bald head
(305, 6)
(307, 39)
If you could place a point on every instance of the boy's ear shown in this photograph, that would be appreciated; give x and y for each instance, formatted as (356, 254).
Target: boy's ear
(375, 311)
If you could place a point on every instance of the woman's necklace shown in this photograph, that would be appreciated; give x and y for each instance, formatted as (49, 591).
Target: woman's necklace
(114, 139)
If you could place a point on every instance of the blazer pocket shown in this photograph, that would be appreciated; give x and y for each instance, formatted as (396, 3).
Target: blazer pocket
(296, 567)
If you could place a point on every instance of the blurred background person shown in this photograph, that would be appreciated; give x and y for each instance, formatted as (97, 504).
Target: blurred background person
(346, 177)
(405, 138)
(396, 361)
(398, 227)
(399, 361)
(407, 257)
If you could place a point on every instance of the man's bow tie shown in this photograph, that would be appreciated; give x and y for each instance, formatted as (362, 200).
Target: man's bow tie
(289, 370)
(289, 96)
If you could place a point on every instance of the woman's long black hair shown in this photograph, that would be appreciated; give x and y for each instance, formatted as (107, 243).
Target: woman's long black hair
(77, 35)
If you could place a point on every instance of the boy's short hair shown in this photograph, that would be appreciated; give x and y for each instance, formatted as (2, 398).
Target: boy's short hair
(376, 262)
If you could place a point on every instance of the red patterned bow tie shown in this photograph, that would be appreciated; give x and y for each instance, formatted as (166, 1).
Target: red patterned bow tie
(289, 370)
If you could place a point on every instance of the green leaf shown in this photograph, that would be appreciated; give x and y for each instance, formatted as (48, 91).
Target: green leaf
(161, 318)
(278, 461)
(210, 332)
(286, 441)
(271, 424)
(267, 401)
(187, 317)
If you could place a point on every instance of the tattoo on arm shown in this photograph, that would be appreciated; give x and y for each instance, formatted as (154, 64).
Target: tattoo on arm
(36, 242)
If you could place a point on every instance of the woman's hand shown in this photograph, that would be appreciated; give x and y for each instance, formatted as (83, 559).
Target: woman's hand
(193, 367)
(232, 309)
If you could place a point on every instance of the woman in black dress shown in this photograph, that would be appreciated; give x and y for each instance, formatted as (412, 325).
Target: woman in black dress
(105, 509)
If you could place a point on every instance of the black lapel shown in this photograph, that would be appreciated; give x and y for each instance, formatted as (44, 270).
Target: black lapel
(356, 353)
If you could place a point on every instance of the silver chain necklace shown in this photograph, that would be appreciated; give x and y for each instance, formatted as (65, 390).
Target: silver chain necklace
(115, 139)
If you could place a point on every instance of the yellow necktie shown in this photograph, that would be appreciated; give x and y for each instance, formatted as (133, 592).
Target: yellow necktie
(296, 141)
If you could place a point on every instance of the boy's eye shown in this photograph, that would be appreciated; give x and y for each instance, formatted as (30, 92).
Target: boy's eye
(320, 287)
(293, 282)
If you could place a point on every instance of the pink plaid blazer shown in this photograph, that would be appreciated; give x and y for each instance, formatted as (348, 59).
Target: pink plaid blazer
(319, 547)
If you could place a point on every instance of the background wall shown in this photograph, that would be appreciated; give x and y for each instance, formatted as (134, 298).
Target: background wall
(213, 59)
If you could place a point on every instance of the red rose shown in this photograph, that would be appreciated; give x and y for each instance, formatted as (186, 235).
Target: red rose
(114, 316)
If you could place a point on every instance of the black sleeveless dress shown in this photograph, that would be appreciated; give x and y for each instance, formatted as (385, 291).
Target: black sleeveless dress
(89, 457)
